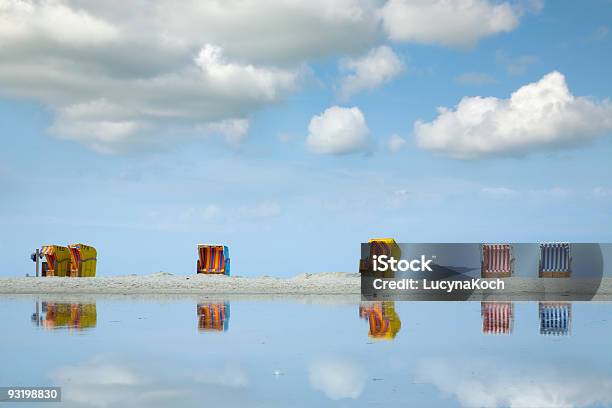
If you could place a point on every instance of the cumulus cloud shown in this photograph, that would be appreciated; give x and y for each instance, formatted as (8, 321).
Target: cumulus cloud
(338, 130)
(540, 115)
(207, 95)
(146, 74)
(25, 22)
(122, 76)
(480, 382)
(337, 379)
(379, 66)
(447, 22)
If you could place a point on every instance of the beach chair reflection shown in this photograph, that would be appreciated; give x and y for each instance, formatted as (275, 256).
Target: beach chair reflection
(383, 320)
(555, 318)
(378, 247)
(213, 316)
(60, 315)
(497, 317)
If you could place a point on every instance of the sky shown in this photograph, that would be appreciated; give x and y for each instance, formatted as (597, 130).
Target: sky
(292, 131)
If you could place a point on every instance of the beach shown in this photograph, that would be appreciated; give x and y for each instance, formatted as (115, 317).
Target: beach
(331, 283)
(306, 284)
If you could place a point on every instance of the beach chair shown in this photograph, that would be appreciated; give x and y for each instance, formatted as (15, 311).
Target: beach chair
(213, 259)
(380, 246)
(57, 260)
(555, 260)
(496, 261)
(83, 260)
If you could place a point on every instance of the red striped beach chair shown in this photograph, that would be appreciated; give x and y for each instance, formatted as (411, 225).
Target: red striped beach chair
(496, 261)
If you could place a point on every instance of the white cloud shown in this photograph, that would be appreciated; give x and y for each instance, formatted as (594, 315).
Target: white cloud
(338, 131)
(207, 95)
(25, 21)
(146, 74)
(380, 65)
(131, 76)
(234, 131)
(99, 383)
(480, 382)
(396, 143)
(97, 372)
(337, 379)
(447, 22)
(540, 115)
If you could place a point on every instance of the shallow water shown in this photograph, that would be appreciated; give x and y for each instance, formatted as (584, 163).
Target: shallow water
(114, 353)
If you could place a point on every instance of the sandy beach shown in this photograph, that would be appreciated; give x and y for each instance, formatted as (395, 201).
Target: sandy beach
(332, 283)
(318, 284)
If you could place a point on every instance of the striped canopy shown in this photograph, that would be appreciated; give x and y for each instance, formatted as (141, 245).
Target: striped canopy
(497, 317)
(212, 258)
(47, 250)
(497, 258)
(555, 318)
(555, 257)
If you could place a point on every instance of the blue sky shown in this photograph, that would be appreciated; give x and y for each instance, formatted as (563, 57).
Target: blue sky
(145, 136)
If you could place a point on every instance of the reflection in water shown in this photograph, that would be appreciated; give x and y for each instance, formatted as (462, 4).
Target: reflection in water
(497, 317)
(337, 378)
(478, 381)
(383, 319)
(555, 318)
(107, 382)
(213, 316)
(57, 315)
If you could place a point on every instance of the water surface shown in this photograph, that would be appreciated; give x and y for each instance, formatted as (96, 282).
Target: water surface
(112, 352)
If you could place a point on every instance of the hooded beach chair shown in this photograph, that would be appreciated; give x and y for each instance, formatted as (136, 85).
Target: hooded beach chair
(380, 246)
(555, 260)
(213, 259)
(83, 260)
(57, 260)
(496, 261)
